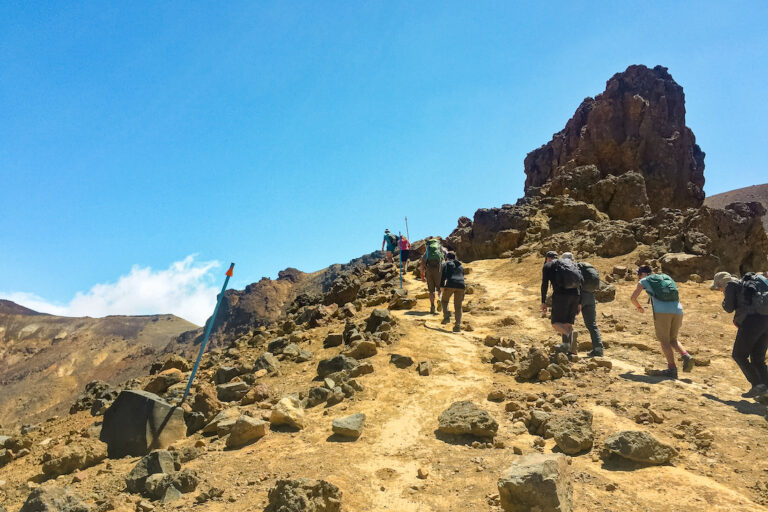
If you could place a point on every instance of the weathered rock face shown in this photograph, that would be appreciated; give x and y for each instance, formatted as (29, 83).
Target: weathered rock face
(537, 482)
(53, 499)
(636, 124)
(637, 446)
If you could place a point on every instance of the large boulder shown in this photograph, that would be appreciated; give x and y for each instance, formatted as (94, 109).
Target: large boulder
(245, 430)
(537, 482)
(335, 364)
(636, 124)
(465, 418)
(139, 422)
(377, 318)
(288, 411)
(637, 446)
(680, 266)
(304, 495)
(349, 426)
(48, 498)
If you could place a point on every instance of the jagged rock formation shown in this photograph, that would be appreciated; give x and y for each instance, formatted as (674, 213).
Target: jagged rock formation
(755, 193)
(636, 124)
(624, 174)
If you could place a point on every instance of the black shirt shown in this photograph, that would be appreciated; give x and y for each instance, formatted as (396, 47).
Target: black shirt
(452, 275)
(548, 276)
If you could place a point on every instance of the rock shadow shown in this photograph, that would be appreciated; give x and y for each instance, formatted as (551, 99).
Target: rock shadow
(438, 329)
(460, 440)
(284, 429)
(336, 438)
(645, 379)
(418, 313)
(620, 464)
(241, 446)
(743, 406)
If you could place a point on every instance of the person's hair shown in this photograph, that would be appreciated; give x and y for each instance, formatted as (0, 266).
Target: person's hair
(451, 256)
(644, 269)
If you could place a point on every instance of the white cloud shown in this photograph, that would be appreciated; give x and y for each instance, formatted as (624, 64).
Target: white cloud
(185, 289)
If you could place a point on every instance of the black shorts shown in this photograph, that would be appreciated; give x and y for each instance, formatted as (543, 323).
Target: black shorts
(564, 308)
(405, 254)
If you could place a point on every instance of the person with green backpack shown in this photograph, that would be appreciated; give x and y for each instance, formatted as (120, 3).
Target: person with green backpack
(589, 304)
(431, 271)
(667, 316)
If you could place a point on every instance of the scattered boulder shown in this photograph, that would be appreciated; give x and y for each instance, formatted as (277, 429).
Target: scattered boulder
(639, 447)
(206, 402)
(159, 461)
(225, 374)
(537, 482)
(94, 390)
(176, 361)
(266, 361)
(349, 426)
(231, 391)
(377, 318)
(535, 361)
(227, 416)
(572, 431)
(138, 422)
(245, 430)
(400, 300)
(335, 364)
(73, 457)
(168, 487)
(304, 495)
(503, 354)
(425, 368)
(318, 395)
(164, 380)
(53, 499)
(258, 393)
(465, 418)
(400, 361)
(333, 340)
(361, 350)
(288, 411)
(343, 289)
(605, 292)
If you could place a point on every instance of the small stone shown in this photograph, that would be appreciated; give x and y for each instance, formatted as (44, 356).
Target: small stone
(422, 473)
(349, 426)
(400, 361)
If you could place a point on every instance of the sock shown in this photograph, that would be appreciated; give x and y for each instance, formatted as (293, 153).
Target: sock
(685, 353)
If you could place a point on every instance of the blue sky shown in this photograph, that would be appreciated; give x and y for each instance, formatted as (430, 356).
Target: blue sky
(275, 134)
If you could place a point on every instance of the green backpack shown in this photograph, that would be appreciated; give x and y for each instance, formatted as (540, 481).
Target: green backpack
(663, 288)
(434, 254)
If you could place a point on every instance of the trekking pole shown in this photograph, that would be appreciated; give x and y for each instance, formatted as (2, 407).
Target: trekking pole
(407, 233)
(207, 333)
(401, 259)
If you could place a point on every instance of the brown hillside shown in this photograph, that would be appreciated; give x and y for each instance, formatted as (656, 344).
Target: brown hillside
(45, 360)
(758, 193)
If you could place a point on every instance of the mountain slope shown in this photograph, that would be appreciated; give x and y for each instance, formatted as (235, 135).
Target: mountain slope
(758, 193)
(45, 360)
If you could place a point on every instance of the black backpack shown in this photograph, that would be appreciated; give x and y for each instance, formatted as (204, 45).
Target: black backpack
(755, 292)
(591, 277)
(392, 238)
(567, 275)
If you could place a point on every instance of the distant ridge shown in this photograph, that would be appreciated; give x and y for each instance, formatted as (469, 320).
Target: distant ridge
(11, 308)
(757, 193)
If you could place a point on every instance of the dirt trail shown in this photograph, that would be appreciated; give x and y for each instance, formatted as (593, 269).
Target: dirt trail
(379, 470)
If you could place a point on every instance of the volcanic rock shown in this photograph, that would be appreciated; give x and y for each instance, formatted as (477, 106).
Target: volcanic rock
(304, 495)
(245, 430)
(466, 418)
(53, 499)
(349, 426)
(159, 461)
(572, 431)
(537, 482)
(638, 446)
(288, 411)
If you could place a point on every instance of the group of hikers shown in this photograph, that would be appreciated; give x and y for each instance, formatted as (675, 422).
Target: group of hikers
(573, 291)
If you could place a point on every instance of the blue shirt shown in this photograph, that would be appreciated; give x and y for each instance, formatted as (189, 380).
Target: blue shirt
(390, 245)
(660, 306)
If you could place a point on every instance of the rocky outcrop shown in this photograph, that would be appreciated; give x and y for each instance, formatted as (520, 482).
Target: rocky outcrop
(636, 124)
(304, 495)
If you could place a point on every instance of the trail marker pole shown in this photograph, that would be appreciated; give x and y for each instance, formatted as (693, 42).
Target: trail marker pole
(207, 333)
(401, 258)
(407, 233)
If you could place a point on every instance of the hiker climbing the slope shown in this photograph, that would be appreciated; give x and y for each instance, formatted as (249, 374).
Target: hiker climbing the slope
(748, 300)
(405, 252)
(452, 285)
(431, 267)
(566, 283)
(588, 303)
(667, 316)
(390, 240)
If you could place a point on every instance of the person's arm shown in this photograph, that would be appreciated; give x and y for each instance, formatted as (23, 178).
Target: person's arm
(638, 290)
(383, 241)
(444, 276)
(421, 268)
(729, 298)
(544, 289)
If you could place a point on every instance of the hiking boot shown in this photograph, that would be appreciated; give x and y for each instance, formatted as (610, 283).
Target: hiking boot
(563, 348)
(688, 363)
(432, 310)
(758, 389)
(670, 373)
(762, 398)
(595, 352)
(456, 328)
(446, 318)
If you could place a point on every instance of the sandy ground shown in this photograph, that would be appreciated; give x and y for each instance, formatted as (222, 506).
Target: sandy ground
(379, 470)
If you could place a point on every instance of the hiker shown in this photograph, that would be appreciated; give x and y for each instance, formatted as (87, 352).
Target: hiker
(431, 267)
(667, 316)
(588, 303)
(452, 284)
(566, 283)
(405, 252)
(744, 298)
(390, 240)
